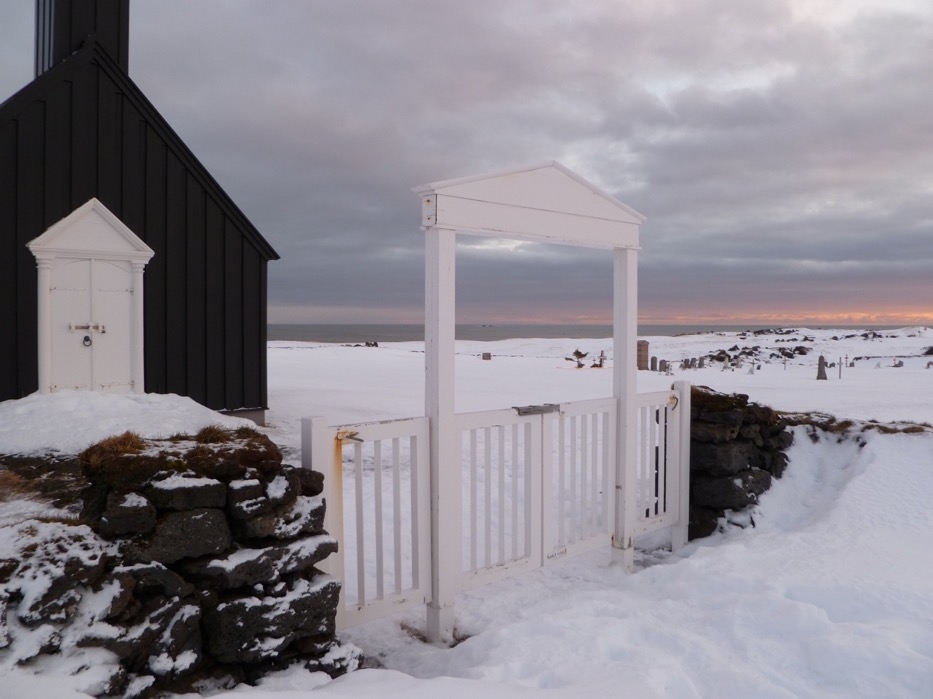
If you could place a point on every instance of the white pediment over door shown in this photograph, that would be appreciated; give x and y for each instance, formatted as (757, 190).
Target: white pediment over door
(91, 231)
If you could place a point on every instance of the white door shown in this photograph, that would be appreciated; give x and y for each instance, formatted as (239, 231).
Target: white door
(91, 314)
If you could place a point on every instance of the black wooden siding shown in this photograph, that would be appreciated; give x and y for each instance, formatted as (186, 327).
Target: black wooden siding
(81, 130)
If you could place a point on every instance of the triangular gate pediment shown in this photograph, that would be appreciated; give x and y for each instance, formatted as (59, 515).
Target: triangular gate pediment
(545, 203)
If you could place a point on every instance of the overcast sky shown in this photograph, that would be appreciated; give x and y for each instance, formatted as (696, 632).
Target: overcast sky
(782, 150)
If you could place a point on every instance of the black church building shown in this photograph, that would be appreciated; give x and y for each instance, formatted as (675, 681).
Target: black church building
(88, 164)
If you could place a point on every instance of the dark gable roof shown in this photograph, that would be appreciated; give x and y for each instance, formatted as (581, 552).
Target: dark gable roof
(92, 53)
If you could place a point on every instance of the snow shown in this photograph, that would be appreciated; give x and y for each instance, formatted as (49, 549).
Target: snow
(133, 500)
(34, 423)
(294, 551)
(299, 514)
(357, 384)
(177, 480)
(827, 595)
(277, 489)
(54, 549)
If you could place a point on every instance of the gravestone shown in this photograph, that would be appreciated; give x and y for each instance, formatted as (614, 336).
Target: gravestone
(641, 355)
(821, 369)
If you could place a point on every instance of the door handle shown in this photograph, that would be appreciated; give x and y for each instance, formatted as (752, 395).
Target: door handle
(93, 327)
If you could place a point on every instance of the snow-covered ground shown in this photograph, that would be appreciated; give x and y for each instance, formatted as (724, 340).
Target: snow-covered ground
(829, 595)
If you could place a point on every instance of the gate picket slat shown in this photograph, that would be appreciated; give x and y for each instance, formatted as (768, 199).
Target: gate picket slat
(487, 500)
(529, 478)
(501, 497)
(584, 476)
(651, 462)
(397, 513)
(572, 535)
(604, 505)
(670, 463)
(473, 498)
(561, 481)
(643, 458)
(414, 466)
(653, 454)
(377, 516)
(661, 475)
(360, 546)
(594, 471)
(514, 491)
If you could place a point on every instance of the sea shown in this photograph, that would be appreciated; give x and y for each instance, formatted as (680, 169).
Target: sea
(361, 333)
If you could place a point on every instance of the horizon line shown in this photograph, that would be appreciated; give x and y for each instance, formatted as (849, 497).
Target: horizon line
(763, 324)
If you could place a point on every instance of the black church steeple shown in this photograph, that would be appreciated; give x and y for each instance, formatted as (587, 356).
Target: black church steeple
(62, 26)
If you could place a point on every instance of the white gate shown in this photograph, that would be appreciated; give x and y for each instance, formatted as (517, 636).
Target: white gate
(537, 483)
(376, 490)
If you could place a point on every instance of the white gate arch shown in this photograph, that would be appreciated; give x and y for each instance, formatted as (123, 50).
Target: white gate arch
(540, 203)
(90, 302)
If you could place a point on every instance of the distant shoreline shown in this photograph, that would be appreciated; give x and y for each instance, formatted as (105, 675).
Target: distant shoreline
(352, 333)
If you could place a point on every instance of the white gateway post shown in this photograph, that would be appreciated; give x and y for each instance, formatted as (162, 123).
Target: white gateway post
(544, 203)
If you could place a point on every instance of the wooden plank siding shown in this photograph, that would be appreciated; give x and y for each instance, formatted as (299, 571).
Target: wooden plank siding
(83, 129)
(83, 124)
(214, 302)
(253, 360)
(155, 279)
(30, 201)
(57, 141)
(109, 143)
(233, 316)
(10, 378)
(176, 287)
(196, 293)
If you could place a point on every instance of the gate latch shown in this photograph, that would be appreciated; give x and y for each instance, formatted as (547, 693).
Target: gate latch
(537, 409)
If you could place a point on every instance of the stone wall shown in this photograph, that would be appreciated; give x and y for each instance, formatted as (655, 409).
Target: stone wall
(736, 449)
(196, 561)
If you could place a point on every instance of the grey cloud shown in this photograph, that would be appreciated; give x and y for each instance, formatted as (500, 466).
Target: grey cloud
(776, 155)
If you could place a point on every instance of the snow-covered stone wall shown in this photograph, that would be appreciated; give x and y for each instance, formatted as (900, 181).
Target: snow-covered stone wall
(195, 562)
(736, 449)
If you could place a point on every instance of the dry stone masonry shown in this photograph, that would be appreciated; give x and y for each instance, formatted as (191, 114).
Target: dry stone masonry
(736, 449)
(195, 565)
